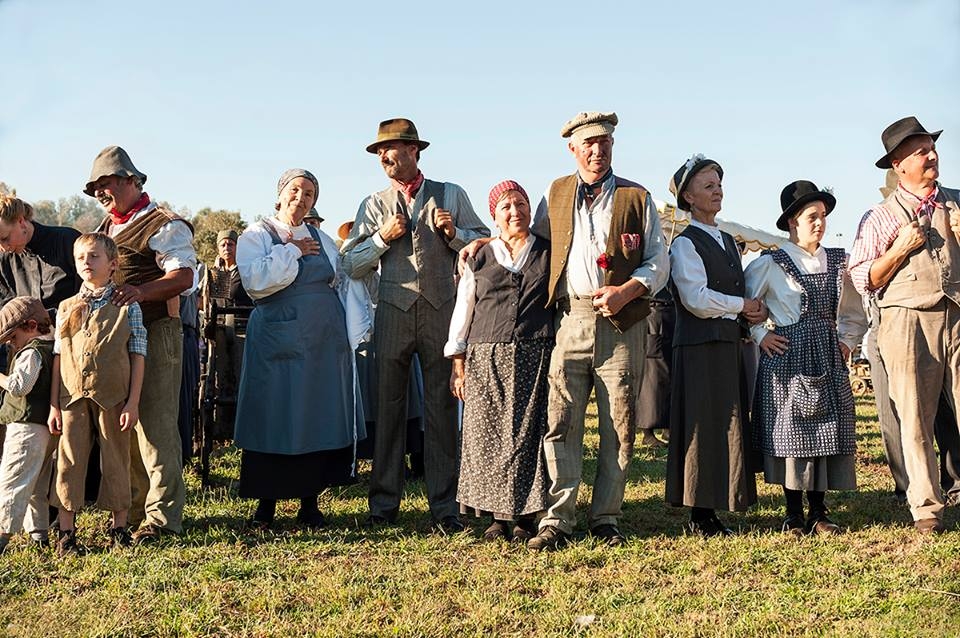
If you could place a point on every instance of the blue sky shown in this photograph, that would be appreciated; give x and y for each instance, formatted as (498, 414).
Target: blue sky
(215, 99)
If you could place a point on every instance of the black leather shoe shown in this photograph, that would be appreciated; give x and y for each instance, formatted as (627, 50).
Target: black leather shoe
(793, 524)
(929, 526)
(67, 543)
(708, 527)
(524, 530)
(498, 530)
(312, 520)
(375, 521)
(120, 537)
(549, 539)
(449, 525)
(149, 534)
(609, 534)
(818, 523)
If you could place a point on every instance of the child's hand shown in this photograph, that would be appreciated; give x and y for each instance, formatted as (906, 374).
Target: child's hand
(129, 416)
(54, 421)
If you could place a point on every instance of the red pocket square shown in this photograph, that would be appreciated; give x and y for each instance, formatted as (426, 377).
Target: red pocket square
(631, 241)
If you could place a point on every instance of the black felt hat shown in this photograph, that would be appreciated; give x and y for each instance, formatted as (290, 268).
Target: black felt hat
(680, 180)
(894, 135)
(796, 195)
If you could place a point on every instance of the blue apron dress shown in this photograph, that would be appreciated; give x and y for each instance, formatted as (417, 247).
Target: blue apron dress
(297, 410)
(803, 410)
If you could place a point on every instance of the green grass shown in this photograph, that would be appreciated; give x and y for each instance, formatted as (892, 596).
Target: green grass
(879, 578)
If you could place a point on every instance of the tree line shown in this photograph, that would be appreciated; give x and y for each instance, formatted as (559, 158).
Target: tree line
(84, 214)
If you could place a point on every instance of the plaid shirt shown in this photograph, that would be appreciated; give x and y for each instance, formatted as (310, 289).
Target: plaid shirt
(877, 230)
(138, 333)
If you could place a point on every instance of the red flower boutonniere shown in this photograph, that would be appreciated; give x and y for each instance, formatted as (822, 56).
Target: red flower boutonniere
(604, 261)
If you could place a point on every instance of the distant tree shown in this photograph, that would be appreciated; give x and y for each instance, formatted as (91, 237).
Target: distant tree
(206, 224)
(7, 190)
(81, 213)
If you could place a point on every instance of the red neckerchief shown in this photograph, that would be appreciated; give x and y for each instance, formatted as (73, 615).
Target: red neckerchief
(925, 205)
(138, 206)
(409, 189)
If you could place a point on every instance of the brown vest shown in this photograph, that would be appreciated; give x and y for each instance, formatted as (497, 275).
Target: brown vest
(629, 200)
(138, 262)
(932, 271)
(95, 362)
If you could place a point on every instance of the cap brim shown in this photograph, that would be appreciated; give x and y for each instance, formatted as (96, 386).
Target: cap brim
(821, 196)
(88, 189)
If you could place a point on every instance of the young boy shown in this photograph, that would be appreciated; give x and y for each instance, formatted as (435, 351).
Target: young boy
(98, 374)
(25, 326)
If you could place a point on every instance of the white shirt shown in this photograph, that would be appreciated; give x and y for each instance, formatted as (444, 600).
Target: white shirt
(25, 372)
(467, 294)
(173, 244)
(782, 294)
(590, 230)
(266, 268)
(690, 278)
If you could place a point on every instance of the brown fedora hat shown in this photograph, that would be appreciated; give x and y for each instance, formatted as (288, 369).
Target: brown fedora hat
(398, 128)
(112, 160)
(894, 135)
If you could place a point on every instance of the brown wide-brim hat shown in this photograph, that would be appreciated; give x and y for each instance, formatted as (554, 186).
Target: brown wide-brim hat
(343, 231)
(796, 195)
(895, 134)
(18, 311)
(398, 128)
(112, 160)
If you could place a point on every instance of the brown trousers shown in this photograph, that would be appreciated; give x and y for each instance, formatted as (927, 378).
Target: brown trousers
(83, 421)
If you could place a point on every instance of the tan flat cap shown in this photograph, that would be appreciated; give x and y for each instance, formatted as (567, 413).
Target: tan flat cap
(19, 310)
(592, 124)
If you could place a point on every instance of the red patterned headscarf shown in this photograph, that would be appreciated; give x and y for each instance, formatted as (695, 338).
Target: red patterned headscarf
(500, 189)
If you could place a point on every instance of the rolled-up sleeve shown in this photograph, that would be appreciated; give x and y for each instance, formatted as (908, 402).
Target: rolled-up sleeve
(654, 271)
(868, 245)
(137, 343)
(173, 244)
(468, 225)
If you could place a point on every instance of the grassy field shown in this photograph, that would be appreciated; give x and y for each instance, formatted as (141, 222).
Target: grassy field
(877, 579)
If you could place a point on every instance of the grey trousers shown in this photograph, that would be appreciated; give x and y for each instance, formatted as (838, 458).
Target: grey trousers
(397, 335)
(156, 462)
(590, 354)
(921, 352)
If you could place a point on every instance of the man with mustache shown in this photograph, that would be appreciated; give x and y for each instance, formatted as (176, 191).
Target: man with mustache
(907, 256)
(157, 263)
(608, 257)
(412, 230)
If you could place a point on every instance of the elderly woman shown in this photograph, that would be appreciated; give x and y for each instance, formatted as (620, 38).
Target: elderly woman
(298, 411)
(708, 461)
(803, 412)
(501, 336)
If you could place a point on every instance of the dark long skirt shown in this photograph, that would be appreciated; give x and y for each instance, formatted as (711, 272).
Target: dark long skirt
(710, 462)
(502, 466)
(278, 476)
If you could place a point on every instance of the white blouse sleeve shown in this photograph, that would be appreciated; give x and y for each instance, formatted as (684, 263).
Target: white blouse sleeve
(757, 275)
(462, 314)
(851, 317)
(353, 296)
(690, 278)
(265, 268)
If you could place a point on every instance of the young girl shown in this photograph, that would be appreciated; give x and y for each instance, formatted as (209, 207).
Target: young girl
(25, 325)
(98, 375)
(803, 411)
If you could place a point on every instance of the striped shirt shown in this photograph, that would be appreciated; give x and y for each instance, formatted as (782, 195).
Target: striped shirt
(877, 231)
(137, 343)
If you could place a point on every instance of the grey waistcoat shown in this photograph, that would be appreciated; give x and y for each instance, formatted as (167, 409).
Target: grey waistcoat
(420, 262)
(932, 271)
